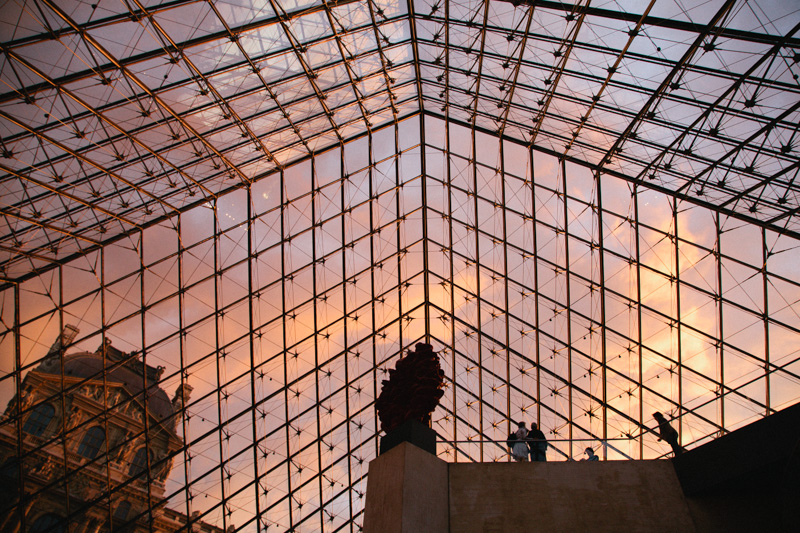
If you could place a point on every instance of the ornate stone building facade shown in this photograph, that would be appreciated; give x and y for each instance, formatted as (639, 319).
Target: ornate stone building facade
(98, 436)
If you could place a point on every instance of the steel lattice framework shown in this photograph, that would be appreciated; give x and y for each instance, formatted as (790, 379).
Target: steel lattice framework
(590, 210)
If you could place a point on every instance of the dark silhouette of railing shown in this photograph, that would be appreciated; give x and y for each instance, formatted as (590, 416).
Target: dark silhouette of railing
(600, 446)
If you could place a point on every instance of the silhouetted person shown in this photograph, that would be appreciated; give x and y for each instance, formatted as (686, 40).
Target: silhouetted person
(668, 433)
(516, 441)
(590, 456)
(537, 443)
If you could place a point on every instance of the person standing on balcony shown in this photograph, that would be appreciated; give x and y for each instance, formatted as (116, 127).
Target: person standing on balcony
(537, 443)
(590, 456)
(668, 433)
(516, 441)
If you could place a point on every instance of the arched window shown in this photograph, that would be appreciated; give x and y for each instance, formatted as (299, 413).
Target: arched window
(39, 419)
(93, 441)
(139, 463)
(123, 510)
(48, 523)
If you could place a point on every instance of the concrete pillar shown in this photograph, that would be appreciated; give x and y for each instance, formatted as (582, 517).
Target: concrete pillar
(407, 492)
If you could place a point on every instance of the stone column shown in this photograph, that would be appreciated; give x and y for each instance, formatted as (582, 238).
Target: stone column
(407, 492)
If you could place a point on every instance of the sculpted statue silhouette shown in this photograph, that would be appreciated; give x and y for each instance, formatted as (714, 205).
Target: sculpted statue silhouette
(413, 389)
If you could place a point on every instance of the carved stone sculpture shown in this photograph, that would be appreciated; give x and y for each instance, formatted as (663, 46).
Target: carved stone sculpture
(181, 397)
(413, 389)
(46, 468)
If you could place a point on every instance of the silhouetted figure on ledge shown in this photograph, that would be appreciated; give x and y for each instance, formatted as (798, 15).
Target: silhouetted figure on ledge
(516, 442)
(537, 443)
(413, 389)
(590, 456)
(668, 433)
